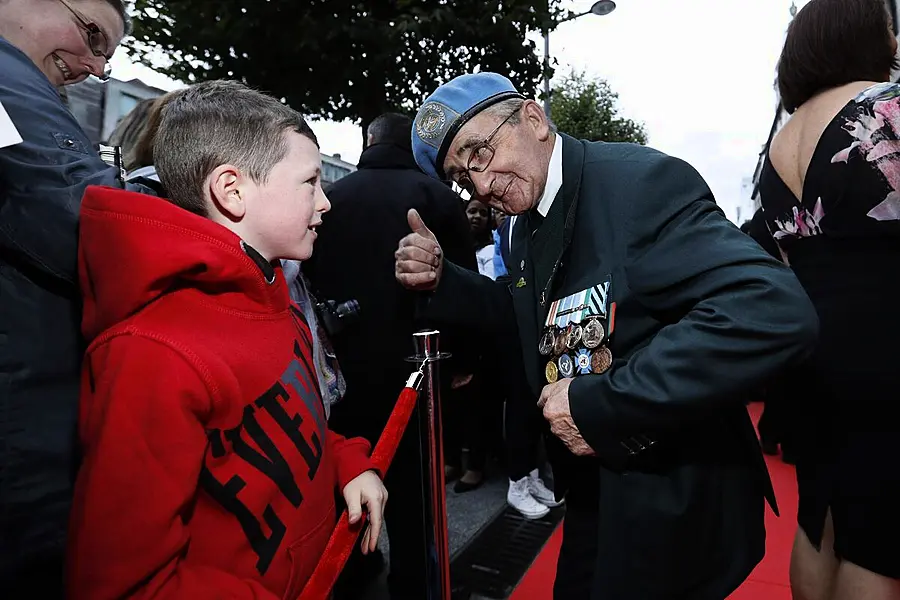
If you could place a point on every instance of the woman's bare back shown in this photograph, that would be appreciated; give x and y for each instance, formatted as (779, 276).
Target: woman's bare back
(793, 146)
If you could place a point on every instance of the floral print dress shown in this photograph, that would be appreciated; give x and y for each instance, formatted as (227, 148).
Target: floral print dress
(842, 239)
(865, 138)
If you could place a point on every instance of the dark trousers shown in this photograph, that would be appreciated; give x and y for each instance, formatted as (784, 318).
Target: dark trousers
(404, 516)
(767, 426)
(466, 413)
(578, 555)
(523, 417)
(405, 519)
(473, 417)
(523, 431)
(778, 421)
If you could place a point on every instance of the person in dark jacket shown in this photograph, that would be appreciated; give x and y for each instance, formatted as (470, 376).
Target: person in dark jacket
(776, 418)
(757, 229)
(644, 320)
(44, 44)
(354, 259)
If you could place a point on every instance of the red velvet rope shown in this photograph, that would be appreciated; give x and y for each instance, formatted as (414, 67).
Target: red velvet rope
(344, 536)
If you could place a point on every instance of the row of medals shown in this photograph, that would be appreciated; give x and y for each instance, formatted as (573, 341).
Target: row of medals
(576, 348)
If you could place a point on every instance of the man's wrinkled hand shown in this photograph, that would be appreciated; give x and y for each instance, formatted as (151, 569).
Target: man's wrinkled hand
(555, 402)
(419, 260)
(367, 490)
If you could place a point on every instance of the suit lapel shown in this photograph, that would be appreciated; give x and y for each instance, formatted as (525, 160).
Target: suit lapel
(535, 262)
(555, 234)
(521, 270)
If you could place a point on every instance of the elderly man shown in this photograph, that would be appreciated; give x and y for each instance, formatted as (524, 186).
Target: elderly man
(645, 319)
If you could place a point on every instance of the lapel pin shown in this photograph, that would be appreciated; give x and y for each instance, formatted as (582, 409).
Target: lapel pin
(521, 282)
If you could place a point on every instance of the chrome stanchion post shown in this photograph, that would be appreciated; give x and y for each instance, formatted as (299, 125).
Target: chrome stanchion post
(427, 347)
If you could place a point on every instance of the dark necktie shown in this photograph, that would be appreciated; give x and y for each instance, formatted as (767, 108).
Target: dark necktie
(534, 220)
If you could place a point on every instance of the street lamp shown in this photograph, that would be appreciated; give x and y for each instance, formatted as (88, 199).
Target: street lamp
(599, 8)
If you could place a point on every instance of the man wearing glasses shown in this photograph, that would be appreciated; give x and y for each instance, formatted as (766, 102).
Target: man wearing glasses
(46, 161)
(646, 321)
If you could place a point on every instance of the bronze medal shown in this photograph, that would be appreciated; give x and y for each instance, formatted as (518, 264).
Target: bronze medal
(573, 336)
(593, 333)
(601, 360)
(559, 344)
(548, 341)
(566, 366)
(551, 372)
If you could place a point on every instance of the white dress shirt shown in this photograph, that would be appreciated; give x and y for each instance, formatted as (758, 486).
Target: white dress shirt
(554, 182)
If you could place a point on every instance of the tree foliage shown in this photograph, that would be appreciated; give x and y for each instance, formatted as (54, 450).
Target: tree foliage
(587, 109)
(341, 59)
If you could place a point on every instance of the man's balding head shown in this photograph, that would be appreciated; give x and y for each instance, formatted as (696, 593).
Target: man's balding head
(390, 128)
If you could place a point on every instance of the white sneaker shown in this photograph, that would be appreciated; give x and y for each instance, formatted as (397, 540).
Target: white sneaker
(519, 498)
(539, 491)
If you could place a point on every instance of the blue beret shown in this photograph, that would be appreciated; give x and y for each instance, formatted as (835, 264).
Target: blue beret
(449, 108)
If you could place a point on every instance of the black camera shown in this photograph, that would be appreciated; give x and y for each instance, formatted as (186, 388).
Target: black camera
(112, 155)
(336, 317)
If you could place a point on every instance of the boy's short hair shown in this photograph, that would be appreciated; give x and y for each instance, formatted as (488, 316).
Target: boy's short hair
(831, 43)
(215, 123)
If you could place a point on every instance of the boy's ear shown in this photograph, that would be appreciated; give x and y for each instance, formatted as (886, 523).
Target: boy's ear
(227, 188)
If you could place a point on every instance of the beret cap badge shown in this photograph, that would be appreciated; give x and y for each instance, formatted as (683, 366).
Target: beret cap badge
(448, 109)
(431, 122)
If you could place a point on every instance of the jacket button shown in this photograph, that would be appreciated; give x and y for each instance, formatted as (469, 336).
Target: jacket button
(522, 265)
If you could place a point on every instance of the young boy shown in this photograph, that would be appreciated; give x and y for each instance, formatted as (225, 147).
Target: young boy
(209, 470)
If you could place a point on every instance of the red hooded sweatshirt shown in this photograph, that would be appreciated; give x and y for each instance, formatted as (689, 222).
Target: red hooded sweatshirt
(209, 470)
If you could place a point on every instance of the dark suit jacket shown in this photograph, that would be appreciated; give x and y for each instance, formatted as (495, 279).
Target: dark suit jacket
(354, 258)
(702, 316)
(759, 231)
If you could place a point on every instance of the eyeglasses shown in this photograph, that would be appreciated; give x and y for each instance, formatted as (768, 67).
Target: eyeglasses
(96, 39)
(480, 158)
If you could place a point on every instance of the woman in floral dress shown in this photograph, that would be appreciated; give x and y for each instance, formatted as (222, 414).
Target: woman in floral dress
(830, 190)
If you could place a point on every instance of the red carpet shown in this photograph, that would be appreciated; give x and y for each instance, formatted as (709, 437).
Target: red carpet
(769, 581)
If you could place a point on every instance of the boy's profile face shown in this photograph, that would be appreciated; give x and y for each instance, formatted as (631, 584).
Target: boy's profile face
(280, 216)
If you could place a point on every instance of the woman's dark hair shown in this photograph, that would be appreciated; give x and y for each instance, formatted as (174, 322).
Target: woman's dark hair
(834, 42)
(141, 155)
(129, 131)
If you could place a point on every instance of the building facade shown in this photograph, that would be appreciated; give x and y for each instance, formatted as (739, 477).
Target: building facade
(334, 168)
(98, 108)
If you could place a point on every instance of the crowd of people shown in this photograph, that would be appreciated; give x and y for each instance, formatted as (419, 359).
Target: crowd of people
(199, 346)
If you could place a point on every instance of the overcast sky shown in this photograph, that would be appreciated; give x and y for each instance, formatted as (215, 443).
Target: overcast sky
(698, 73)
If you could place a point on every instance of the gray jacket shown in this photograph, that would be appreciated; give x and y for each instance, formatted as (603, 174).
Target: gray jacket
(42, 181)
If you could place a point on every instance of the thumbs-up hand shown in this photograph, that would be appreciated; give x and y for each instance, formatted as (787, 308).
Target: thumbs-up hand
(419, 260)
